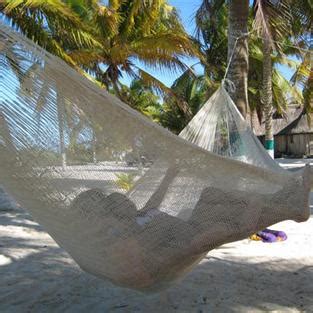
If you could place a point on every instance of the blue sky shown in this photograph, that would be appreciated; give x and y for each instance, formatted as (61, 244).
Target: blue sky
(187, 10)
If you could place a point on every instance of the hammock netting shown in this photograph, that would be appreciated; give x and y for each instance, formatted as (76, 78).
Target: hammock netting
(220, 128)
(129, 201)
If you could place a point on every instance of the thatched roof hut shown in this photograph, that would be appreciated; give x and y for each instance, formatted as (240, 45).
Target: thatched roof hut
(299, 126)
(293, 134)
(280, 122)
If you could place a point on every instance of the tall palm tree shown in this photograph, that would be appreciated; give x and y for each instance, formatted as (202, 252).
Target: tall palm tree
(5, 134)
(284, 92)
(107, 40)
(238, 42)
(302, 12)
(210, 13)
(273, 24)
(212, 24)
(262, 21)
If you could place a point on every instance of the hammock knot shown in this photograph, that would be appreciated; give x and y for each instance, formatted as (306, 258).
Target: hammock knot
(229, 85)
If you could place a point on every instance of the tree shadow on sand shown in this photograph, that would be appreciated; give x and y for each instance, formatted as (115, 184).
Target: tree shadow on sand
(18, 218)
(46, 279)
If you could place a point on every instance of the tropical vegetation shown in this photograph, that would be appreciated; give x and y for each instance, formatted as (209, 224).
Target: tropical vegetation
(107, 41)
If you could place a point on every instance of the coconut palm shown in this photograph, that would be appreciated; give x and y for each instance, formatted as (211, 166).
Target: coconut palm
(107, 40)
(142, 98)
(302, 12)
(284, 92)
(212, 32)
(212, 13)
(132, 33)
(211, 26)
(273, 23)
(51, 24)
(237, 41)
(194, 90)
(126, 32)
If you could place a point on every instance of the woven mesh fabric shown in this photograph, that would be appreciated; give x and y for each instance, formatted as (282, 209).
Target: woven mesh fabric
(220, 128)
(129, 201)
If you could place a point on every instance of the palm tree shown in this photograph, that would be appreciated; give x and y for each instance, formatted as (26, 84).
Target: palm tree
(194, 90)
(302, 12)
(107, 40)
(142, 98)
(267, 98)
(5, 134)
(211, 13)
(51, 24)
(212, 25)
(273, 23)
(237, 42)
(131, 33)
(284, 91)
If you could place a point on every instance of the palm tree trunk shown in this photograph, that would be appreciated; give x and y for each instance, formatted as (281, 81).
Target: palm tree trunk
(267, 97)
(117, 91)
(238, 70)
(253, 119)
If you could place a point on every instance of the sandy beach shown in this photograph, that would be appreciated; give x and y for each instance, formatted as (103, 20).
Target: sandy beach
(36, 275)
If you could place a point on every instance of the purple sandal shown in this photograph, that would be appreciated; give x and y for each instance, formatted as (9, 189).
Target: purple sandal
(267, 236)
(280, 235)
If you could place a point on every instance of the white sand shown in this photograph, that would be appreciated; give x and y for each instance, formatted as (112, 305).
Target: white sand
(36, 275)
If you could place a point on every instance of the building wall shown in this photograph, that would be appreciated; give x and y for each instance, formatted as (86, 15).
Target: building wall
(294, 145)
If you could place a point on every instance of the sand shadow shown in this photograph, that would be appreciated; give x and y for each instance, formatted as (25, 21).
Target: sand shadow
(58, 285)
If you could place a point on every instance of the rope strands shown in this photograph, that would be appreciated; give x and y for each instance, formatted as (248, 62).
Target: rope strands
(220, 128)
(152, 205)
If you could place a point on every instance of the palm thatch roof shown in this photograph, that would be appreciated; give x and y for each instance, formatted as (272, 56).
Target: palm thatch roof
(280, 124)
(299, 126)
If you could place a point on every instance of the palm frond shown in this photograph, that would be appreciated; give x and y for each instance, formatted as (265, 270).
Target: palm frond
(45, 21)
(273, 21)
(163, 90)
(303, 71)
(107, 21)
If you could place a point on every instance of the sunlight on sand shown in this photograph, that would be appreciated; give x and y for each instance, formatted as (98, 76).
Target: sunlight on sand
(4, 260)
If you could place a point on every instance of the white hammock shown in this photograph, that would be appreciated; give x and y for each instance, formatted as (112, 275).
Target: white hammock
(185, 201)
(220, 128)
